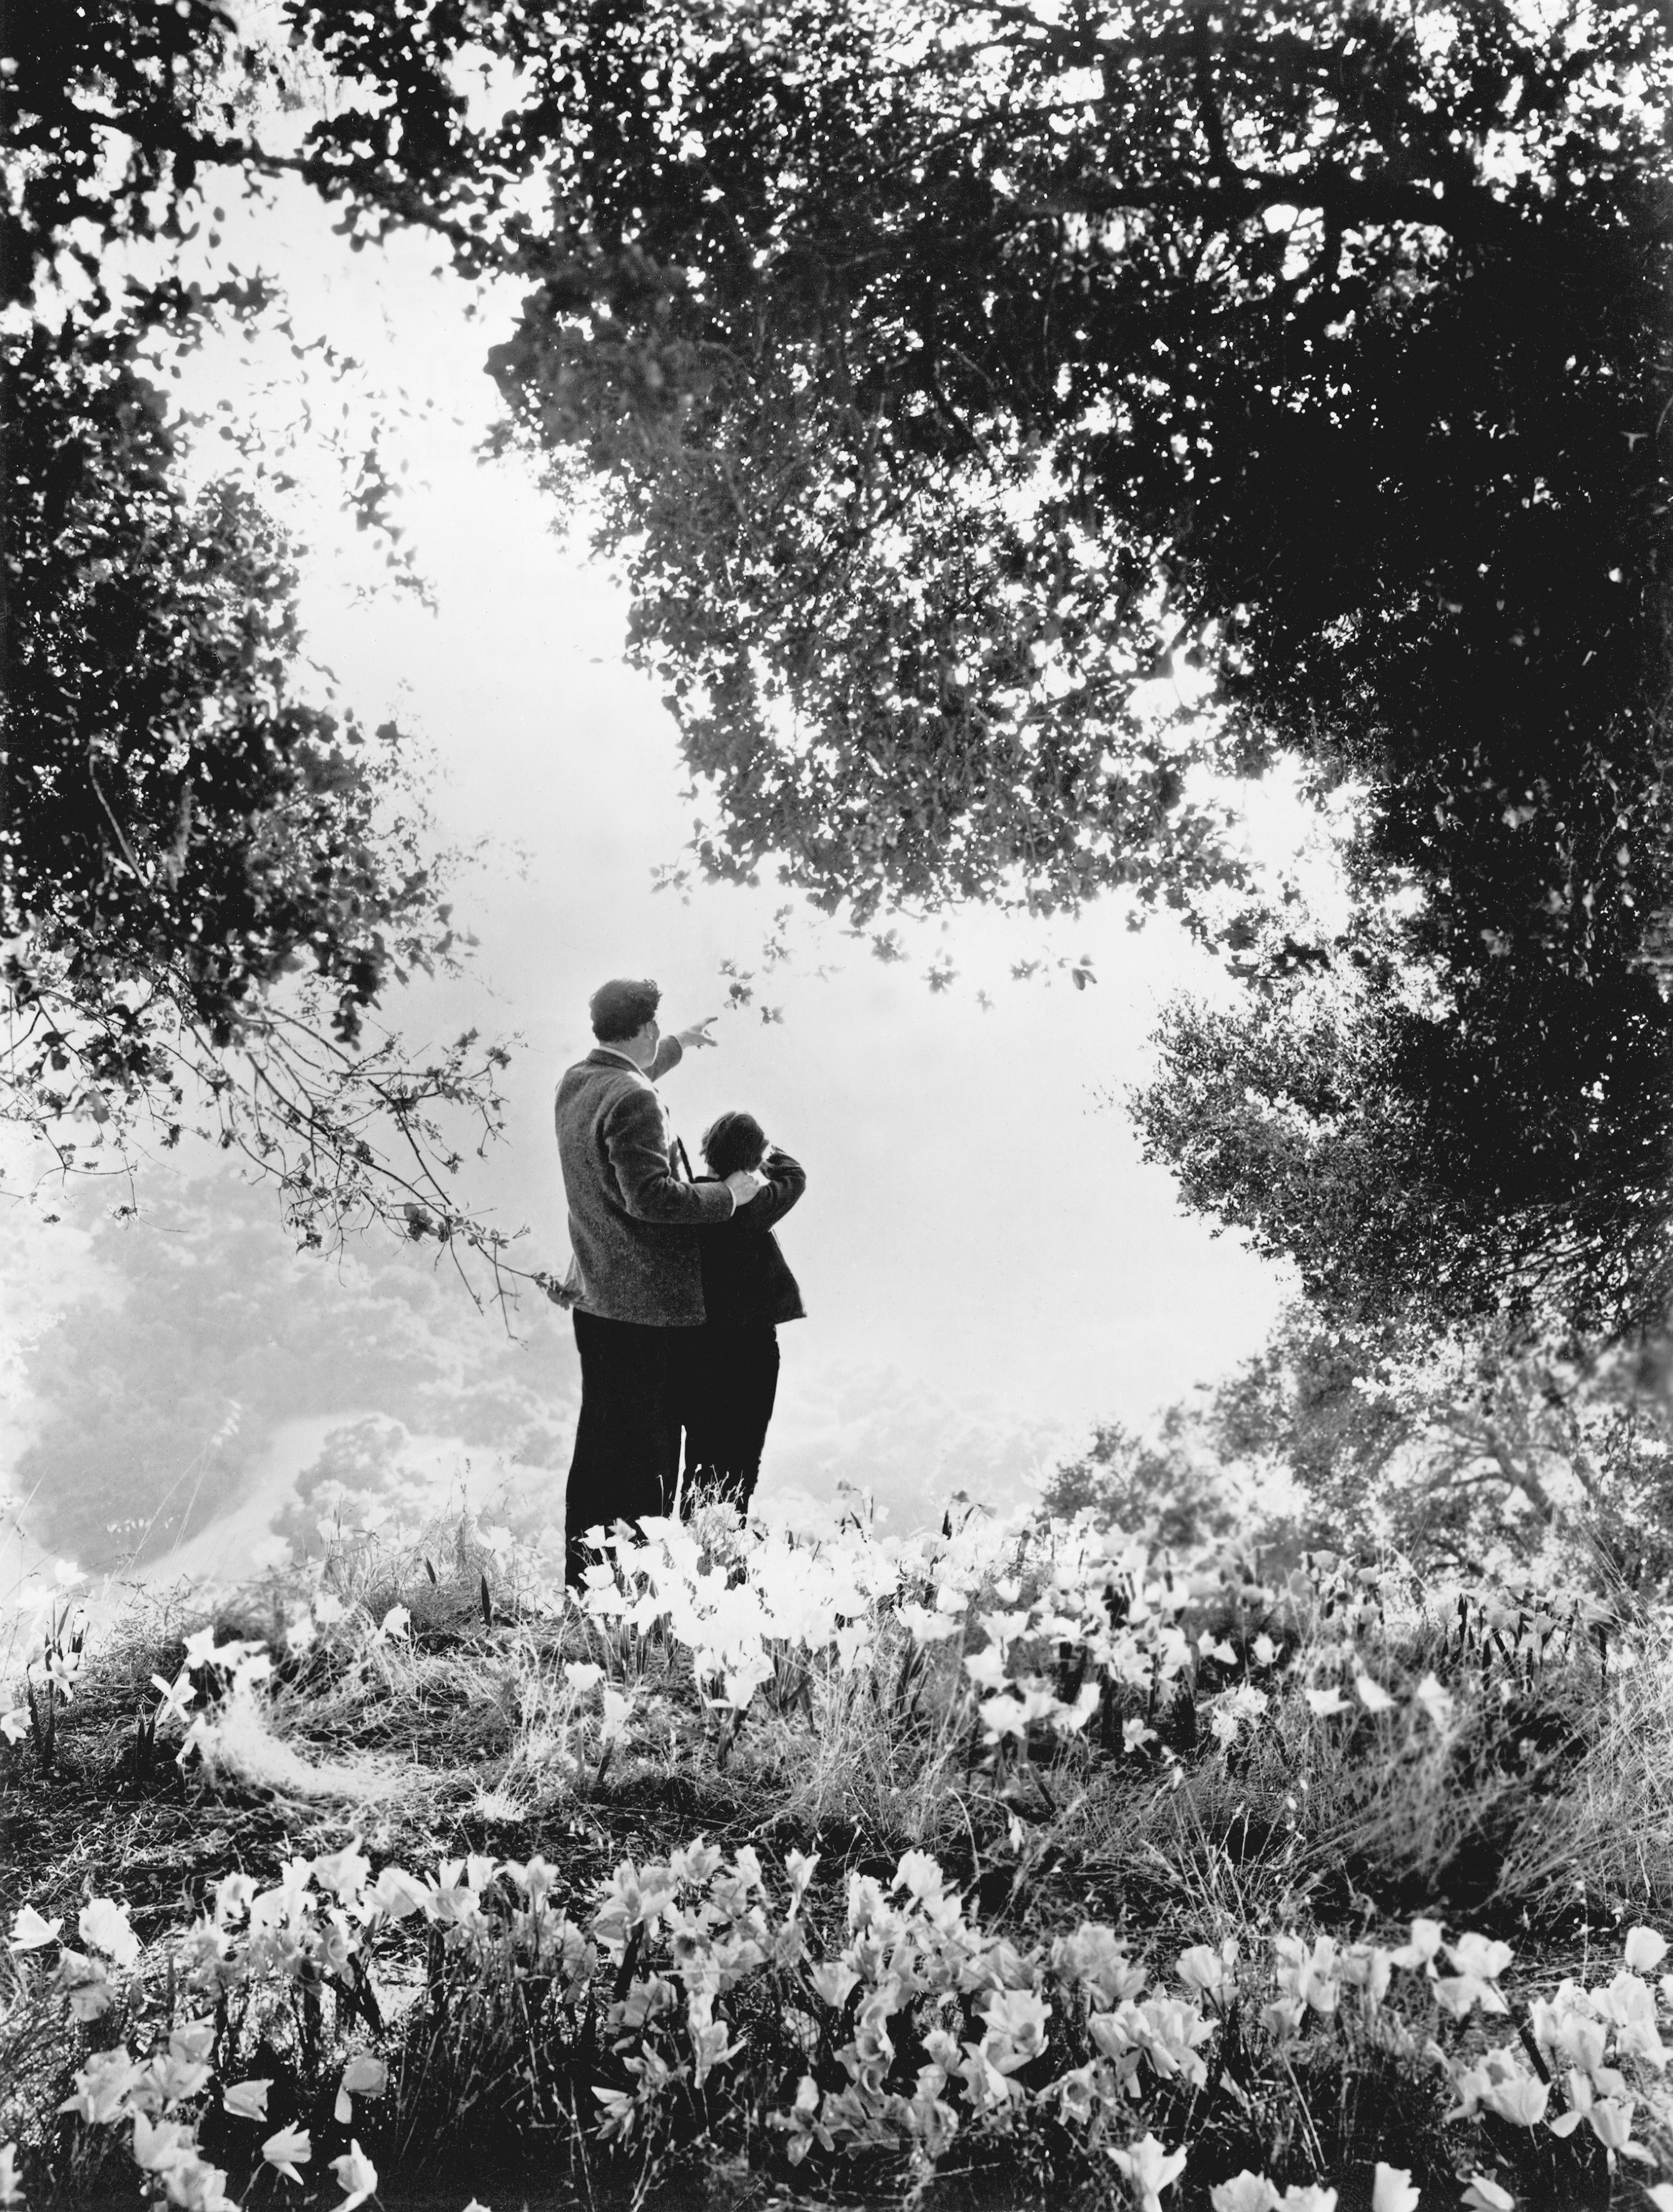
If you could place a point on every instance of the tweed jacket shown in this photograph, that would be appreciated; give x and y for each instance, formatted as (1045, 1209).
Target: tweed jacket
(747, 1282)
(632, 1222)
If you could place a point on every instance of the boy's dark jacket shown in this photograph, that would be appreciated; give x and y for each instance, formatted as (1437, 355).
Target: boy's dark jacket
(746, 1282)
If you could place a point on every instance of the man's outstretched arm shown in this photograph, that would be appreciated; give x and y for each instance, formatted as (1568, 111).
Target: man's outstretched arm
(673, 1049)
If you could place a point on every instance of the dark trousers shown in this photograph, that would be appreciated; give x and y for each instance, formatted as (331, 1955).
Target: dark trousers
(626, 1454)
(730, 1380)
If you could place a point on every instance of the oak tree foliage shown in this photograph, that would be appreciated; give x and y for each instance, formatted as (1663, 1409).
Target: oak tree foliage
(211, 878)
(1484, 1447)
(1447, 1163)
(939, 377)
(1472, 1452)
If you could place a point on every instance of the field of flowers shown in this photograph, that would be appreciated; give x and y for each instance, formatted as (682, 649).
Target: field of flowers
(1013, 1865)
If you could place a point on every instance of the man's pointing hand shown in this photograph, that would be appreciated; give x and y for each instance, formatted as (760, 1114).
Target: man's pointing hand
(698, 1033)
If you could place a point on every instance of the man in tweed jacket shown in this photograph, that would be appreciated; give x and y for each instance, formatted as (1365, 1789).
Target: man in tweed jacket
(633, 1223)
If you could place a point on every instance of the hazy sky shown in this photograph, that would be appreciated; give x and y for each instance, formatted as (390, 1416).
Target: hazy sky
(977, 1218)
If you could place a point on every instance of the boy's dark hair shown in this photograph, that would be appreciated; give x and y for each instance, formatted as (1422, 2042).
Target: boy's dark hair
(622, 1008)
(734, 1141)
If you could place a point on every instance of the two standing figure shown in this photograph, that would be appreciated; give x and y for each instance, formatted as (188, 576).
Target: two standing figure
(652, 1364)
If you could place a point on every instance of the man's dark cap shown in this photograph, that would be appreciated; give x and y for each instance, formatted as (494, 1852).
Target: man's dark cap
(622, 1008)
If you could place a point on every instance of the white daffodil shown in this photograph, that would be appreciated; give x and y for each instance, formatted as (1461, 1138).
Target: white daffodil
(160, 2145)
(1393, 2190)
(363, 2076)
(617, 1724)
(1325, 1704)
(287, 2151)
(1645, 1950)
(356, 2177)
(1244, 2192)
(1204, 1968)
(1436, 1701)
(1427, 1937)
(1480, 1962)
(246, 2100)
(30, 1932)
(104, 1924)
(1483, 2194)
(397, 1894)
(1150, 2167)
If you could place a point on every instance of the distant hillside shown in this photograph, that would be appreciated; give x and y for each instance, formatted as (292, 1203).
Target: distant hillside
(199, 1367)
(159, 1387)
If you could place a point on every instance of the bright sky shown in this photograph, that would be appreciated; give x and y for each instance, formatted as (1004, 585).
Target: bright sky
(978, 1220)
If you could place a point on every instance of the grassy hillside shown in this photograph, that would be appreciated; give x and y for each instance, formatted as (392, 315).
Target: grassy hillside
(1013, 1865)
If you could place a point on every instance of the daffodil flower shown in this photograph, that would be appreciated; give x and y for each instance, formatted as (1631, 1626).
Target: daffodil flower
(1148, 2168)
(1244, 2192)
(1483, 2194)
(363, 2076)
(356, 2175)
(1393, 2190)
(104, 1924)
(287, 2151)
(30, 1932)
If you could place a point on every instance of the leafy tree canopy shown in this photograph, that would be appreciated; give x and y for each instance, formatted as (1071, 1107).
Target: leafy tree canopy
(1172, 1486)
(919, 355)
(943, 376)
(1444, 1163)
(209, 880)
(1476, 1454)
(940, 377)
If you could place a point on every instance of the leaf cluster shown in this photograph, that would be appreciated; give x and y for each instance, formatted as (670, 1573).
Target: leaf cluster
(942, 386)
(210, 879)
(943, 380)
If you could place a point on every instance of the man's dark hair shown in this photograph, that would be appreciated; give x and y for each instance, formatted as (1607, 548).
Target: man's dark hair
(622, 1008)
(735, 1141)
